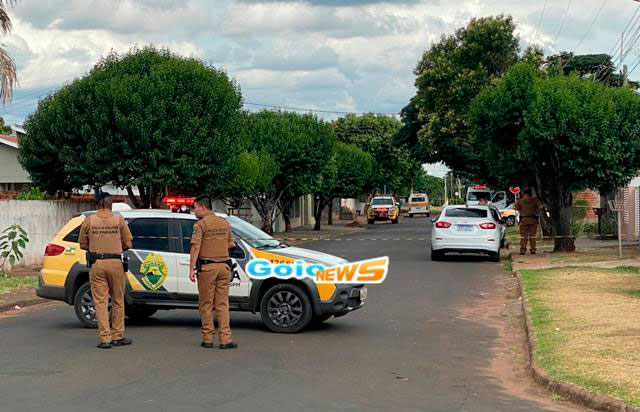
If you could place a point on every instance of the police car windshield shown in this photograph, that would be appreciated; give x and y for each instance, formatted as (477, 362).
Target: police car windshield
(382, 201)
(473, 196)
(417, 199)
(251, 234)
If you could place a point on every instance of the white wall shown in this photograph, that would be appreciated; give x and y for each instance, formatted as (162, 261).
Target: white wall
(41, 220)
(10, 169)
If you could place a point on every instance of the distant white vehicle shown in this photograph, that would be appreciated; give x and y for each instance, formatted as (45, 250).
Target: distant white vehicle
(418, 204)
(467, 229)
(477, 192)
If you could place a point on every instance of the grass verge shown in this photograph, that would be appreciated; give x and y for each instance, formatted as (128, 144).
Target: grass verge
(7, 284)
(586, 323)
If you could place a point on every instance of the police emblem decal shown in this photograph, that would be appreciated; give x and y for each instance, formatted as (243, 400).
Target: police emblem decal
(154, 271)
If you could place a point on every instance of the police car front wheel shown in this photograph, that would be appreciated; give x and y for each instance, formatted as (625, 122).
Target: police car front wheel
(285, 308)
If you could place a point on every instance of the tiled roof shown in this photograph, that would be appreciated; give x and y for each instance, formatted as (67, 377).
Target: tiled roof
(9, 140)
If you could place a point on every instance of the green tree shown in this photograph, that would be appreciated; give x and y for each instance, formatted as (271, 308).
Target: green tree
(4, 128)
(297, 147)
(431, 185)
(559, 134)
(448, 77)
(374, 134)
(346, 175)
(598, 66)
(148, 118)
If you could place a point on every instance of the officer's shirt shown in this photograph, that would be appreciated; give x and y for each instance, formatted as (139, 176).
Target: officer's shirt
(105, 232)
(213, 234)
(528, 207)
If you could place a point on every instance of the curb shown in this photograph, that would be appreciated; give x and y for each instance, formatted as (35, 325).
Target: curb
(568, 390)
(6, 307)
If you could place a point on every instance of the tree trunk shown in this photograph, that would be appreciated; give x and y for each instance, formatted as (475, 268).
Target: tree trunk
(285, 208)
(137, 202)
(144, 196)
(562, 216)
(318, 205)
(265, 210)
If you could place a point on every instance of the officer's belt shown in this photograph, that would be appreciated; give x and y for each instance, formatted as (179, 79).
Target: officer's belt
(99, 256)
(209, 261)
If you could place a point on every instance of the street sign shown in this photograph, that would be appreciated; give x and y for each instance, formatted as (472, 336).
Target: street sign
(514, 190)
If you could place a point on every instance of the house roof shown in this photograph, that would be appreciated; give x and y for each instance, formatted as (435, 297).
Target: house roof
(9, 140)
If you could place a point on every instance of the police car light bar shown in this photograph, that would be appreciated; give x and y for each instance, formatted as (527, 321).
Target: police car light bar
(178, 201)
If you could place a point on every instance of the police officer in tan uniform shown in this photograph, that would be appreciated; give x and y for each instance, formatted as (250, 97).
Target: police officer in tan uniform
(528, 207)
(105, 236)
(210, 244)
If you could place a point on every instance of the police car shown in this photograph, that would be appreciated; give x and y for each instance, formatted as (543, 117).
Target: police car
(158, 276)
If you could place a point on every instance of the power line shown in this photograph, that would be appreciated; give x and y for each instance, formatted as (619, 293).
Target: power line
(591, 25)
(316, 110)
(535, 34)
(564, 18)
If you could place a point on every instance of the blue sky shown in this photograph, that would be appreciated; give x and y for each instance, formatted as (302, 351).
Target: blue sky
(334, 55)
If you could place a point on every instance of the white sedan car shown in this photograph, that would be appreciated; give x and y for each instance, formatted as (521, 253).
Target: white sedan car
(467, 229)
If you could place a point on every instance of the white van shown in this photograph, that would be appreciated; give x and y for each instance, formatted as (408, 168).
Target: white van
(418, 204)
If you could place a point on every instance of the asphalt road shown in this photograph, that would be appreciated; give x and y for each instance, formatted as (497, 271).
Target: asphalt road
(412, 348)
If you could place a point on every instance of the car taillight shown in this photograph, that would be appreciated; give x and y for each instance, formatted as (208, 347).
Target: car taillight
(443, 225)
(53, 250)
(488, 225)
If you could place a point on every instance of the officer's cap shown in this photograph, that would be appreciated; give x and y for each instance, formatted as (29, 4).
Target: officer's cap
(101, 196)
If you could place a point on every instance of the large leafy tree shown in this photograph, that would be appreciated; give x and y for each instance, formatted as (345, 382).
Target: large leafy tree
(346, 175)
(558, 134)
(448, 77)
(374, 134)
(298, 147)
(147, 119)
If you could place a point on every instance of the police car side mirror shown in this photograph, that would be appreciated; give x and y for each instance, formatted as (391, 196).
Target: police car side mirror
(434, 220)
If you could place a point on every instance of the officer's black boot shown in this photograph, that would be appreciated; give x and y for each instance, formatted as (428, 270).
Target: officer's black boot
(207, 345)
(104, 345)
(122, 342)
(229, 345)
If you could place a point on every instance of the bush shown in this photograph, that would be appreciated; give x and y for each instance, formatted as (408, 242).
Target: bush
(31, 194)
(12, 243)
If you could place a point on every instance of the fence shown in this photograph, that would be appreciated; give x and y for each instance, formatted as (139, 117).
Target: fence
(41, 220)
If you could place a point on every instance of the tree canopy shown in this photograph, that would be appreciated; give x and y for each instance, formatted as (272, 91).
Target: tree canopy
(148, 118)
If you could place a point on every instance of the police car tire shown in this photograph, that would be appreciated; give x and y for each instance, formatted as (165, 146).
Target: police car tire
(436, 256)
(495, 256)
(77, 307)
(410, 214)
(371, 222)
(395, 221)
(307, 311)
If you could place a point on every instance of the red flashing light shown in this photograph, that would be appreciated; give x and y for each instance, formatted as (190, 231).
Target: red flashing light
(443, 225)
(488, 225)
(480, 187)
(178, 201)
(53, 250)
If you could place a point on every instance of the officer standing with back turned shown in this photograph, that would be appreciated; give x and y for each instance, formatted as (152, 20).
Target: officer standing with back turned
(210, 244)
(105, 236)
(528, 207)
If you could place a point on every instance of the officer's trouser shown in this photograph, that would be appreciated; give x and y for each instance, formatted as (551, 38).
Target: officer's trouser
(528, 232)
(213, 291)
(107, 276)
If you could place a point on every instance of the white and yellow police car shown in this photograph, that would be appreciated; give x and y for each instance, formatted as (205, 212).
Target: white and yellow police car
(158, 276)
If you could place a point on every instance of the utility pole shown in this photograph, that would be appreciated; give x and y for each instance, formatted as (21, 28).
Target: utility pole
(445, 189)
(625, 75)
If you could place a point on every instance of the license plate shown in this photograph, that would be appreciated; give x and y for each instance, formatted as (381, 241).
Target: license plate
(363, 294)
(465, 228)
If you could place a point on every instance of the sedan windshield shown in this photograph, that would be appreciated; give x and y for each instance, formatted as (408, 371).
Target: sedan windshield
(251, 234)
(382, 201)
(466, 212)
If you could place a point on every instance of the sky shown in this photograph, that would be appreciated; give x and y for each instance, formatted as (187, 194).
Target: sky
(333, 56)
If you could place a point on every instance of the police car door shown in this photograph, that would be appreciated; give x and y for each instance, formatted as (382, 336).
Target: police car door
(499, 200)
(153, 258)
(240, 282)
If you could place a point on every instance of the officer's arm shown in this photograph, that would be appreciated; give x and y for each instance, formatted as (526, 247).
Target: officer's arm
(125, 235)
(231, 240)
(196, 242)
(83, 237)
